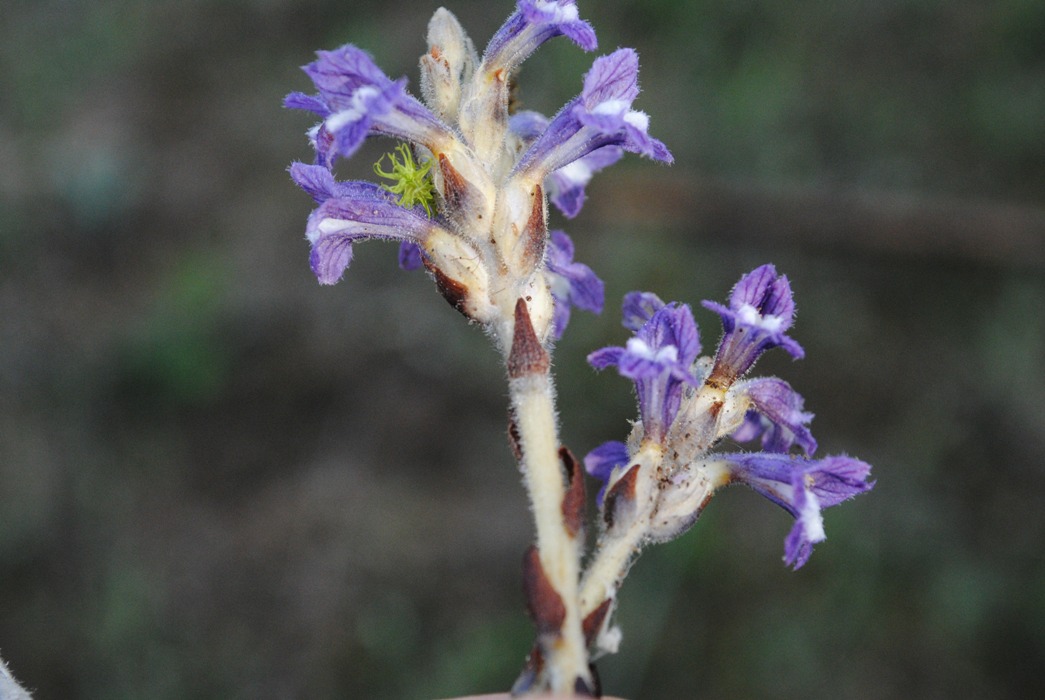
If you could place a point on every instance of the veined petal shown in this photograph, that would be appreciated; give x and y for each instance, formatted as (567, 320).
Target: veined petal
(311, 103)
(638, 308)
(533, 23)
(601, 116)
(320, 184)
(657, 359)
(612, 84)
(315, 179)
(366, 212)
(356, 98)
(760, 309)
(605, 357)
(784, 421)
(572, 283)
(802, 487)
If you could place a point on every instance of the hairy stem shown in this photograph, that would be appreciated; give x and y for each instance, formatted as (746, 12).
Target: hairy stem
(561, 636)
(619, 545)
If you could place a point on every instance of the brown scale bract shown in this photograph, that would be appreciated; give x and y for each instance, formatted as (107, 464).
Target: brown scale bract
(620, 499)
(527, 356)
(574, 500)
(542, 600)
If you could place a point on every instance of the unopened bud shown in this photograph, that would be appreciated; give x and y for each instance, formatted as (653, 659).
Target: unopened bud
(450, 61)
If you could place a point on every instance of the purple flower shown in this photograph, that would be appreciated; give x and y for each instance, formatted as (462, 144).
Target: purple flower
(760, 310)
(658, 359)
(638, 308)
(572, 283)
(349, 212)
(777, 416)
(533, 23)
(355, 99)
(601, 116)
(802, 487)
(566, 185)
(601, 462)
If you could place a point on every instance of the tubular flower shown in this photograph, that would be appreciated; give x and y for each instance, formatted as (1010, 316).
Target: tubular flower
(803, 488)
(760, 309)
(601, 116)
(776, 416)
(657, 358)
(351, 212)
(356, 99)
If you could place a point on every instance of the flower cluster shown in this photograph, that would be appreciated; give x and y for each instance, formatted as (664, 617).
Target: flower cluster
(468, 201)
(479, 223)
(687, 405)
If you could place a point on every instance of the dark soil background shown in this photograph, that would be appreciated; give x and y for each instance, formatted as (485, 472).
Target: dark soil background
(219, 480)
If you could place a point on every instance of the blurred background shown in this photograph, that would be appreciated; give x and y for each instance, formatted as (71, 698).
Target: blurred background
(219, 480)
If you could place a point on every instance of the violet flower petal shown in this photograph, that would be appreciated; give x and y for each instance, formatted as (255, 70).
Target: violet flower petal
(356, 99)
(601, 462)
(760, 309)
(572, 283)
(658, 359)
(802, 487)
(601, 116)
(369, 212)
(785, 422)
(533, 23)
(566, 185)
(410, 256)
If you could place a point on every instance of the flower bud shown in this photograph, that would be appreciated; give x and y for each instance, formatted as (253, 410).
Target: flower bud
(450, 61)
